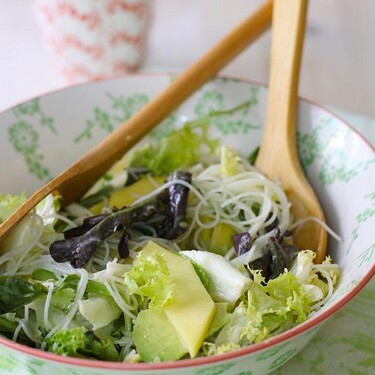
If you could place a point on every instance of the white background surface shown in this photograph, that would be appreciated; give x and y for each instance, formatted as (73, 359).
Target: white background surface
(338, 64)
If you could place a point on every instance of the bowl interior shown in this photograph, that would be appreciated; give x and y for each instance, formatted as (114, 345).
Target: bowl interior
(39, 138)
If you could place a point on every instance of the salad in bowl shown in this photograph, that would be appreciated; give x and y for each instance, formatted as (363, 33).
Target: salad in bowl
(182, 249)
(181, 257)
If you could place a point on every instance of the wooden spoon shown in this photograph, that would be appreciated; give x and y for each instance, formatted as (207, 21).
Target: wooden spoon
(78, 178)
(278, 158)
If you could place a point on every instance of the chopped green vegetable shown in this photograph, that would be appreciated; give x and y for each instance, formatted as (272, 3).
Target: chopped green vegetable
(225, 282)
(97, 197)
(99, 310)
(253, 156)
(221, 318)
(79, 342)
(43, 275)
(17, 291)
(63, 299)
(9, 203)
(95, 287)
(7, 328)
(230, 162)
(202, 274)
(71, 281)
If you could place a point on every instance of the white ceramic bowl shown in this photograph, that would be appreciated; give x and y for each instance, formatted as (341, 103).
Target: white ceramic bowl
(41, 137)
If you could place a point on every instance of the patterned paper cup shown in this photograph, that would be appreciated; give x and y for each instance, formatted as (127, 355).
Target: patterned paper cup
(91, 39)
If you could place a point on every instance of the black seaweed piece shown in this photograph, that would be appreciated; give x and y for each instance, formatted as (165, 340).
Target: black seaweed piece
(282, 254)
(87, 224)
(165, 213)
(176, 198)
(278, 256)
(242, 243)
(263, 264)
(123, 246)
(78, 250)
(273, 225)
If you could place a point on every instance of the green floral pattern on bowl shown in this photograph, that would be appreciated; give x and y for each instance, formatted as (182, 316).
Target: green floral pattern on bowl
(43, 136)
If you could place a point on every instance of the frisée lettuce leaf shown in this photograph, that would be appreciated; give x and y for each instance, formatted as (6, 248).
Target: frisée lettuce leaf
(313, 276)
(149, 277)
(79, 342)
(266, 309)
(9, 203)
(182, 148)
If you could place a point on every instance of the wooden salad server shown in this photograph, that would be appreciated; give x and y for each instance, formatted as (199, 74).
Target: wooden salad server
(278, 157)
(80, 176)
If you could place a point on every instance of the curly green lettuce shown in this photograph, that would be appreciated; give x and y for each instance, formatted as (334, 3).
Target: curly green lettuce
(79, 342)
(181, 149)
(266, 310)
(149, 277)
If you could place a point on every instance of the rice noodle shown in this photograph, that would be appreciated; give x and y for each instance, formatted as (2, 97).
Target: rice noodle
(112, 289)
(226, 199)
(327, 276)
(299, 223)
(79, 294)
(47, 304)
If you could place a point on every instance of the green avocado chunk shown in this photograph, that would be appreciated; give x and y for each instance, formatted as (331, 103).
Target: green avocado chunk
(155, 337)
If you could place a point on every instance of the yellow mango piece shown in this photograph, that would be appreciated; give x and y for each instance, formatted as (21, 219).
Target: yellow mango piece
(127, 195)
(191, 309)
(118, 167)
(96, 209)
(216, 240)
(221, 238)
(206, 234)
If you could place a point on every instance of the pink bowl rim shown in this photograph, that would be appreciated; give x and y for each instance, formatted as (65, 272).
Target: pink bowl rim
(199, 361)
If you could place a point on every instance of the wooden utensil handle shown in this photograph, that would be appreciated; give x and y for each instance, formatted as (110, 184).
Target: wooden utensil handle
(123, 138)
(80, 176)
(278, 157)
(286, 52)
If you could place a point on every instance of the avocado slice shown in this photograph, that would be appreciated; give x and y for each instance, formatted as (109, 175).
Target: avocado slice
(191, 308)
(155, 337)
